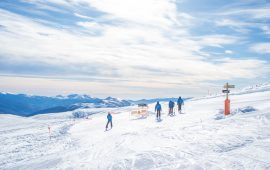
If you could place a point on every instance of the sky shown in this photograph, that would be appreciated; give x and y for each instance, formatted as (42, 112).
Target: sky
(133, 49)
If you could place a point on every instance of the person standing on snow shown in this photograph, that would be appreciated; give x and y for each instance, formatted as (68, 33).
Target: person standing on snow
(180, 102)
(109, 118)
(158, 110)
(171, 106)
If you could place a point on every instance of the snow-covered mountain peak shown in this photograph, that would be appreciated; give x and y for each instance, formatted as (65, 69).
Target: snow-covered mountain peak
(77, 96)
(109, 98)
(112, 99)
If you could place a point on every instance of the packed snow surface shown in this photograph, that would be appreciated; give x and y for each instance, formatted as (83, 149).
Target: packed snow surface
(201, 138)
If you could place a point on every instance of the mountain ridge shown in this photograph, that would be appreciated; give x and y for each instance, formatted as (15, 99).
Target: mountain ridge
(29, 105)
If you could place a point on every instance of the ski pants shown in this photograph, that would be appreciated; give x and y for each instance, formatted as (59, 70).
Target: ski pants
(109, 121)
(179, 107)
(171, 110)
(158, 113)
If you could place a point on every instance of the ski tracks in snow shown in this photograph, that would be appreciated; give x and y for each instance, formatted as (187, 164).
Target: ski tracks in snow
(176, 143)
(26, 143)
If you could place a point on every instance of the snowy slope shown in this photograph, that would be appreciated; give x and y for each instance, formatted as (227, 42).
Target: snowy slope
(202, 138)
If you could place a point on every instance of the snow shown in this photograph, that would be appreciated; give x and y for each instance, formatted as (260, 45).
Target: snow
(201, 138)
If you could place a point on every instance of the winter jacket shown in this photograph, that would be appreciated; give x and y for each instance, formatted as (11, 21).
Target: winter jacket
(180, 101)
(158, 107)
(171, 104)
(109, 117)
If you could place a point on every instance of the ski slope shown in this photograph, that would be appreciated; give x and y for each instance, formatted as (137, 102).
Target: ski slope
(201, 138)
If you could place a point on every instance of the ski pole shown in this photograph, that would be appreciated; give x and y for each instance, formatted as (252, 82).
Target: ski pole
(184, 109)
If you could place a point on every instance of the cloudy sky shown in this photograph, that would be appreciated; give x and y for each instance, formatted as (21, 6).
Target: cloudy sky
(132, 48)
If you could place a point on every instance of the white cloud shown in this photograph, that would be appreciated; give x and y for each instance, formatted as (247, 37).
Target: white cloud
(255, 13)
(83, 16)
(229, 22)
(228, 52)
(261, 48)
(217, 40)
(236, 25)
(266, 29)
(244, 19)
(148, 12)
(92, 26)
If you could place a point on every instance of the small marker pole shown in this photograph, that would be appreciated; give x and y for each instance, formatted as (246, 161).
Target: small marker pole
(49, 128)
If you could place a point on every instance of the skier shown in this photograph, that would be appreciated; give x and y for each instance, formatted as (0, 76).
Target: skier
(180, 102)
(158, 110)
(109, 118)
(171, 106)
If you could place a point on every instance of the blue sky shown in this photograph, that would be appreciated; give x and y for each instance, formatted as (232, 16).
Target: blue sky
(132, 48)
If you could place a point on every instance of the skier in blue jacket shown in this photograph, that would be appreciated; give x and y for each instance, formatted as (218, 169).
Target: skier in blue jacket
(158, 110)
(109, 118)
(171, 106)
(180, 102)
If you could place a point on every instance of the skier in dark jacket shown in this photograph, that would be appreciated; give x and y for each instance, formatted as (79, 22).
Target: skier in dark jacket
(180, 102)
(171, 106)
(158, 110)
(109, 118)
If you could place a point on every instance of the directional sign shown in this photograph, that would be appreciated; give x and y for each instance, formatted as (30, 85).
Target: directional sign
(225, 91)
(226, 86)
(231, 86)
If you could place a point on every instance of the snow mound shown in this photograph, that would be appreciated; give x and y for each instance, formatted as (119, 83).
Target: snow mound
(246, 109)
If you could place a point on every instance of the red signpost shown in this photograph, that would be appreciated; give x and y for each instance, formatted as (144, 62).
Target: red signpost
(227, 100)
(227, 107)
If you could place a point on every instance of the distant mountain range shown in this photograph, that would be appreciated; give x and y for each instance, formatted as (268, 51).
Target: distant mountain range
(27, 105)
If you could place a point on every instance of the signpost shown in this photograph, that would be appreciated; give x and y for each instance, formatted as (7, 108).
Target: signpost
(227, 100)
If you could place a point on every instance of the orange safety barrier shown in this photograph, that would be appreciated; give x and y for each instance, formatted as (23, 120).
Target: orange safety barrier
(141, 111)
